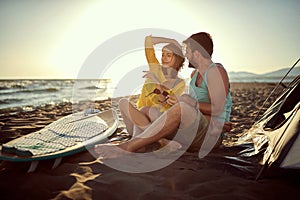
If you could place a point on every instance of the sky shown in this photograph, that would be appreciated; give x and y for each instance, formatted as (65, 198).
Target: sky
(55, 39)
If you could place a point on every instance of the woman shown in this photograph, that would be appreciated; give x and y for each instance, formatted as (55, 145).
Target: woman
(161, 81)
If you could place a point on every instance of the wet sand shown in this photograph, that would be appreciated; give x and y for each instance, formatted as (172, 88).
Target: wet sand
(81, 176)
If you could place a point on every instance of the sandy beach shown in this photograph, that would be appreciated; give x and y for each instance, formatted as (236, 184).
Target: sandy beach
(81, 176)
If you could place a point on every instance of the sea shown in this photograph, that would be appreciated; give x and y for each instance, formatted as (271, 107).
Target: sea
(27, 94)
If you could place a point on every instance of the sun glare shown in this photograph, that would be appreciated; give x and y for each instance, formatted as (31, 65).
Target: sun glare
(103, 20)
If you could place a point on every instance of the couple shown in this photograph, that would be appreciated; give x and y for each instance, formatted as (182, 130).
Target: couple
(194, 121)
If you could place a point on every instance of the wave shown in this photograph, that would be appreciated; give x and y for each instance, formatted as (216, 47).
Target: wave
(7, 87)
(10, 101)
(32, 91)
(16, 94)
(94, 88)
(14, 84)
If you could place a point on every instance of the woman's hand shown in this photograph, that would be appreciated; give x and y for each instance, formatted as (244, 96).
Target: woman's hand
(151, 76)
(172, 99)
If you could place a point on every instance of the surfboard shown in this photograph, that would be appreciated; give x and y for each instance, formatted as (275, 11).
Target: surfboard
(66, 136)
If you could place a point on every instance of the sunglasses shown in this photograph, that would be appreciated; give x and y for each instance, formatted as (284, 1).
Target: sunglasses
(157, 91)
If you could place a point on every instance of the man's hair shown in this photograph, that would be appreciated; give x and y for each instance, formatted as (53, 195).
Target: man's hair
(202, 42)
(179, 57)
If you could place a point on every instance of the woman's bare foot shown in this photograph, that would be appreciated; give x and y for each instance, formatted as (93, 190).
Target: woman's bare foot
(168, 146)
(172, 143)
(107, 151)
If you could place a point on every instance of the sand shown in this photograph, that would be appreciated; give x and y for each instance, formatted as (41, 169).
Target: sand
(81, 176)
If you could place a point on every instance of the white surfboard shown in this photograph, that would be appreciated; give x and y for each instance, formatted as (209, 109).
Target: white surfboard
(68, 135)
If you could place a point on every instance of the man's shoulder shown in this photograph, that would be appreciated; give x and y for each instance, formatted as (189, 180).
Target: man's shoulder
(218, 68)
(215, 72)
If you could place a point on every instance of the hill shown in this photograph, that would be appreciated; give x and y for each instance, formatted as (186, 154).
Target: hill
(274, 76)
(282, 72)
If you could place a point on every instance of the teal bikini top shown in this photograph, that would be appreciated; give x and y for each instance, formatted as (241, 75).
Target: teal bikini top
(201, 95)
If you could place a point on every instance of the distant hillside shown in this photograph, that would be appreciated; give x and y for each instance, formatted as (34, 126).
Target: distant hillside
(282, 72)
(274, 76)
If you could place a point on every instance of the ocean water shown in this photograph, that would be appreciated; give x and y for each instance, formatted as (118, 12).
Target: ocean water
(27, 94)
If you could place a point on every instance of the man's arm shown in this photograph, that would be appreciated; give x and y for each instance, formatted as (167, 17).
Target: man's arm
(217, 81)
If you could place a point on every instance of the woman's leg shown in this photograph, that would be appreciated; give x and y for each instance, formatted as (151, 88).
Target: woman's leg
(132, 116)
(152, 113)
(180, 115)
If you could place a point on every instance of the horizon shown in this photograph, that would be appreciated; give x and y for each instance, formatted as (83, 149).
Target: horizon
(52, 40)
(53, 78)
(265, 72)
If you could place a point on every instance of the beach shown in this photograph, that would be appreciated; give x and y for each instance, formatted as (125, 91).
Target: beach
(81, 176)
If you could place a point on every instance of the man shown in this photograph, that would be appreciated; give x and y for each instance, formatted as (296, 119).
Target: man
(197, 118)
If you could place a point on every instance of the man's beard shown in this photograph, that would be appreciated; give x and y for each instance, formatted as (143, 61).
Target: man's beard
(191, 65)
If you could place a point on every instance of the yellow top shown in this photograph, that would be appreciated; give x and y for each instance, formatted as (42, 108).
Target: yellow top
(154, 66)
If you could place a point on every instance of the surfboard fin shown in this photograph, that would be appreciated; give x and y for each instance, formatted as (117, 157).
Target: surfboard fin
(56, 162)
(33, 166)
